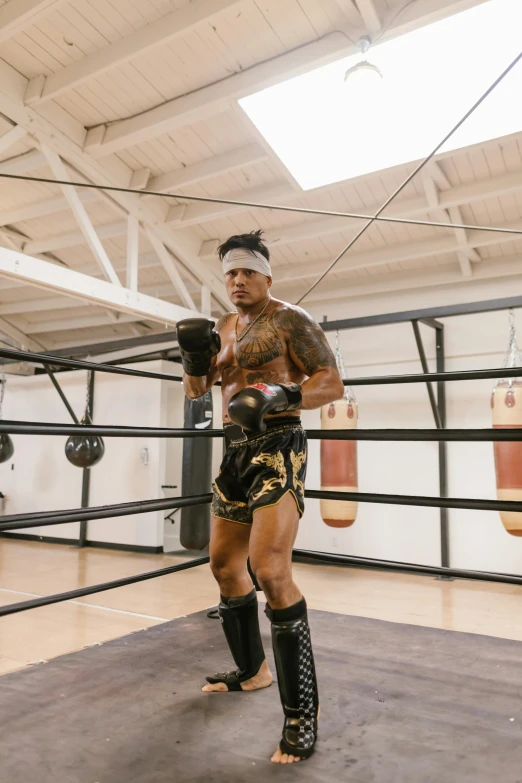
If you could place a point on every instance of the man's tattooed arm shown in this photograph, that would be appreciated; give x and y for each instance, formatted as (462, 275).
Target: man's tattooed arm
(306, 341)
(310, 352)
(224, 320)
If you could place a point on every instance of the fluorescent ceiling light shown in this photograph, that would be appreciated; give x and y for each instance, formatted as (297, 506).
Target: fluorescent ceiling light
(325, 130)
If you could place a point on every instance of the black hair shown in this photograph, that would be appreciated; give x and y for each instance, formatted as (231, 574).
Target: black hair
(251, 241)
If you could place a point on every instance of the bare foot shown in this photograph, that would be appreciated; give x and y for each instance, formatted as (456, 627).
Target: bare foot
(285, 758)
(261, 680)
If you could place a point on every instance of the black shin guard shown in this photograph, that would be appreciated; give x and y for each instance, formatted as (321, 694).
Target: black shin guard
(240, 620)
(296, 677)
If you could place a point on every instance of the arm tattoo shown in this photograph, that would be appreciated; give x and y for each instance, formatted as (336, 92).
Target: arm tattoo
(223, 321)
(306, 338)
(262, 345)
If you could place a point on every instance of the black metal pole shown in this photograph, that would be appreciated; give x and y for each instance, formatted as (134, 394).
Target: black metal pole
(86, 478)
(425, 369)
(443, 462)
(59, 389)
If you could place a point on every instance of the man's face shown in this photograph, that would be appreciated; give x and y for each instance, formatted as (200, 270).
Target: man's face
(246, 288)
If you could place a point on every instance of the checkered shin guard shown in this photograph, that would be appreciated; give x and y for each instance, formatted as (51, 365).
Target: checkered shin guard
(307, 689)
(296, 678)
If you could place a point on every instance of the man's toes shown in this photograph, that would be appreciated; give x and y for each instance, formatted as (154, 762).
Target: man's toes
(218, 687)
(284, 758)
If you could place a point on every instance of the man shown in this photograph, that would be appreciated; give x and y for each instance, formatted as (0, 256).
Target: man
(273, 361)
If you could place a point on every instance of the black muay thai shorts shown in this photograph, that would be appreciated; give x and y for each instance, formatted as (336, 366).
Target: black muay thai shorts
(259, 470)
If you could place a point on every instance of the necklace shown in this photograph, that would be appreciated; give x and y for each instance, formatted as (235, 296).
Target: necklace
(250, 325)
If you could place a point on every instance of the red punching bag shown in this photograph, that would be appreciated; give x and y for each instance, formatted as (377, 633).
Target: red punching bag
(506, 404)
(339, 457)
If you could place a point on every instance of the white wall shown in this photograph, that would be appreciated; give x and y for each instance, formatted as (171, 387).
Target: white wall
(39, 477)
(42, 479)
(477, 539)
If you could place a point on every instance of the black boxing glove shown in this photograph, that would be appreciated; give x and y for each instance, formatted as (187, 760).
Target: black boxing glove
(198, 343)
(249, 406)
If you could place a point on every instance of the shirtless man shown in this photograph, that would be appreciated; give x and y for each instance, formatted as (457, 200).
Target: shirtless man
(273, 361)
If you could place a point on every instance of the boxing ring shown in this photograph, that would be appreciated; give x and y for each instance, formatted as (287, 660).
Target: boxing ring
(399, 702)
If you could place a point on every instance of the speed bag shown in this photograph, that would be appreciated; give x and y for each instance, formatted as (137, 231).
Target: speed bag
(339, 463)
(196, 476)
(506, 402)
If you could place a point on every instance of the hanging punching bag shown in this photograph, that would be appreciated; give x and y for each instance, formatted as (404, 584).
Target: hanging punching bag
(506, 404)
(84, 451)
(339, 457)
(196, 473)
(6, 444)
(339, 463)
(6, 447)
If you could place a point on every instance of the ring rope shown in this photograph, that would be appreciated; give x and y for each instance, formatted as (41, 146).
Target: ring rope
(483, 435)
(23, 521)
(77, 364)
(100, 588)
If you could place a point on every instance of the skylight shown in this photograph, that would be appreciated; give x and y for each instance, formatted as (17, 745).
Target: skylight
(325, 130)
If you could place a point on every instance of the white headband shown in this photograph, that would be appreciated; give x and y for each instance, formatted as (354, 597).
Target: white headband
(242, 258)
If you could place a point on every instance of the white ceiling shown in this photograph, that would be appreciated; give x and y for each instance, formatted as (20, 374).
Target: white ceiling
(143, 94)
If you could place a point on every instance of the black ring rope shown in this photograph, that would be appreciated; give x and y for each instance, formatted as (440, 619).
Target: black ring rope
(456, 573)
(482, 435)
(433, 377)
(38, 428)
(100, 588)
(20, 521)
(378, 380)
(417, 500)
(78, 364)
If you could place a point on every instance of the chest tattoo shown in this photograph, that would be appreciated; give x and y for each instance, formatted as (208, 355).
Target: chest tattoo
(261, 345)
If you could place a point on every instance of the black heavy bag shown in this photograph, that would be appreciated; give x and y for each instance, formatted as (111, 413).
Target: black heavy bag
(6, 444)
(84, 451)
(6, 447)
(196, 476)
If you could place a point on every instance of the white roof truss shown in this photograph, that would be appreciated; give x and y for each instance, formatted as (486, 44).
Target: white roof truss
(82, 218)
(10, 138)
(166, 28)
(52, 277)
(370, 16)
(206, 169)
(214, 98)
(17, 14)
(133, 240)
(170, 267)
(65, 136)
(434, 198)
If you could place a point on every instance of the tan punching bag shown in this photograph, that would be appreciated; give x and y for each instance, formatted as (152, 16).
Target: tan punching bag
(339, 457)
(506, 403)
(339, 463)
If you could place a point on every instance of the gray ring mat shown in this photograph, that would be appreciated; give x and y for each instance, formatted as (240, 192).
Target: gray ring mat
(400, 704)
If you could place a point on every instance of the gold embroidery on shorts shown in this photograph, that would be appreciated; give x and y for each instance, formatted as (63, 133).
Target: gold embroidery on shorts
(297, 461)
(275, 461)
(226, 500)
